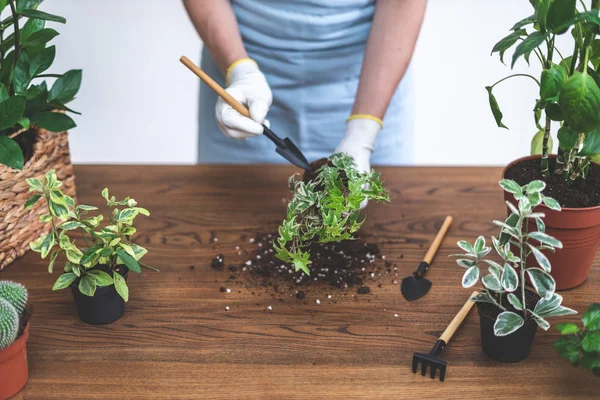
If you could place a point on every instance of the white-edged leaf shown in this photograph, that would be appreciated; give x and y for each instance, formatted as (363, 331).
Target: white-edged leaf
(535, 186)
(542, 323)
(510, 279)
(545, 239)
(541, 226)
(542, 282)
(121, 286)
(64, 281)
(516, 303)
(507, 323)
(491, 282)
(465, 263)
(524, 205)
(510, 186)
(479, 244)
(560, 311)
(512, 208)
(470, 277)
(540, 257)
(551, 203)
(466, 246)
(544, 306)
(87, 285)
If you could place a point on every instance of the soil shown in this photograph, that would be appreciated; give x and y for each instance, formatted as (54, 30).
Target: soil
(24, 320)
(341, 264)
(581, 194)
(311, 175)
(492, 311)
(26, 140)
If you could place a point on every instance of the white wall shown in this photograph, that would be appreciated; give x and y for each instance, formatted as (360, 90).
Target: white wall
(139, 103)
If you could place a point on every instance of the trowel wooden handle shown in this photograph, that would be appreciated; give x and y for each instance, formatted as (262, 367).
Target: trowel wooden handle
(438, 240)
(239, 107)
(458, 319)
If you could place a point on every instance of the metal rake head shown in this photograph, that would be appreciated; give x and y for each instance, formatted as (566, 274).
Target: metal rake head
(431, 360)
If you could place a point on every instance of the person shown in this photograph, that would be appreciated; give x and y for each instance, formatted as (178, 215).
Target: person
(325, 73)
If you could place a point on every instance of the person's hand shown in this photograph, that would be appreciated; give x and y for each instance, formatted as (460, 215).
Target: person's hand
(359, 141)
(248, 86)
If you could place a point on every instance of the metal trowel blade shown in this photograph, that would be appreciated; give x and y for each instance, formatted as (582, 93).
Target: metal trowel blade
(414, 288)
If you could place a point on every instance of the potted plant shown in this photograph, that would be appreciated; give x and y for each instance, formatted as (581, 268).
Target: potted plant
(14, 332)
(509, 313)
(325, 207)
(581, 345)
(96, 272)
(569, 102)
(33, 119)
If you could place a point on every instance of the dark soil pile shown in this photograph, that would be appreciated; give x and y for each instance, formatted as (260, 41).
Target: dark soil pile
(582, 193)
(341, 264)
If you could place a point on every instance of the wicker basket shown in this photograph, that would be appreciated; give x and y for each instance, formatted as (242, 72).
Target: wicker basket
(18, 227)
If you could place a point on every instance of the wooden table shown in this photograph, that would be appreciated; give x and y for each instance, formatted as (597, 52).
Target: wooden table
(177, 341)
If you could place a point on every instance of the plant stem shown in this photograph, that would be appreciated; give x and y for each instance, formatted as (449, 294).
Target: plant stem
(560, 161)
(523, 265)
(13, 10)
(47, 76)
(514, 75)
(540, 57)
(87, 243)
(544, 166)
(574, 58)
(583, 5)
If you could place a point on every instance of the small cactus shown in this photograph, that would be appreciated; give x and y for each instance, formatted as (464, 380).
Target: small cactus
(9, 324)
(15, 294)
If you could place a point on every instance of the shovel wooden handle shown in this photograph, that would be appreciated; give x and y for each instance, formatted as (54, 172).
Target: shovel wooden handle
(458, 319)
(438, 240)
(237, 106)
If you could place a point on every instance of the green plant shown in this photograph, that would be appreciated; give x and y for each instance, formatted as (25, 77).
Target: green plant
(15, 294)
(109, 246)
(9, 324)
(569, 90)
(325, 209)
(505, 283)
(24, 58)
(581, 345)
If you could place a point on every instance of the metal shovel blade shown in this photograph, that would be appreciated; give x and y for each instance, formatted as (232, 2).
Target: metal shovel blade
(290, 152)
(414, 288)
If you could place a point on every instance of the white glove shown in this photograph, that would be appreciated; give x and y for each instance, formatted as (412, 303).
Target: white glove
(248, 86)
(359, 141)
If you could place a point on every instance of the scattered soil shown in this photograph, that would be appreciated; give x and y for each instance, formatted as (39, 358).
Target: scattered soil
(311, 175)
(581, 194)
(218, 261)
(364, 290)
(341, 264)
(492, 311)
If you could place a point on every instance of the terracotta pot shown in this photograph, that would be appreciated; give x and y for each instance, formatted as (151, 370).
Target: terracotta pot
(579, 231)
(13, 367)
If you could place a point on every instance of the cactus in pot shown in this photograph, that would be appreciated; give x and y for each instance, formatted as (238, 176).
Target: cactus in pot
(9, 324)
(15, 294)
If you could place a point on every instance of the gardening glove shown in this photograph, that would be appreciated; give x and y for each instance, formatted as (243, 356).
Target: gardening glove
(359, 141)
(249, 86)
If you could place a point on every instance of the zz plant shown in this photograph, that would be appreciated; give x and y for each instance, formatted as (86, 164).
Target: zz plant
(25, 98)
(580, 345)
(569, 92)
(13, 298)
(504, 284)
(325, 209)
(109, 246)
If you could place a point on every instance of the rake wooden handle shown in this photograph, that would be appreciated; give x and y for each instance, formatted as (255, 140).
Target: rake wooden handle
(458, 319)
(438, 240)
(237, 106)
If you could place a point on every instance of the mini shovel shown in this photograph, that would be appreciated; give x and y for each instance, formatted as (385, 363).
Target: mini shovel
(285, 147)
(416, 286)
(432, 359)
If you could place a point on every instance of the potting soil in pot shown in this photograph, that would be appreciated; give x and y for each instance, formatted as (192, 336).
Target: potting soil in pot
(583, 193)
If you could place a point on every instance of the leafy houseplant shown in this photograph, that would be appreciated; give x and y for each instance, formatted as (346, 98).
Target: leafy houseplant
(581, 345)
(325, 208)
(25, 99)
(14, 332)
(95, 272)
(568, 102)
(509, 313)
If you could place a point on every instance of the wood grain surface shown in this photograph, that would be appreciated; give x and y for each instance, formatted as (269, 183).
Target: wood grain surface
(177, 341)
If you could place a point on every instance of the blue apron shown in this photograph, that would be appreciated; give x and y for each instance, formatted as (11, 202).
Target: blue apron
(311, 52)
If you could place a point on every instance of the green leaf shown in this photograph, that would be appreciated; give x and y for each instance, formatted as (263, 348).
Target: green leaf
(542, 282)
(69, 226)
(516, 303)
(559, 13)
(139, 251)
(58, 210)
(591, 342)
(64, 281)
(511, 221)
(586, 16)
(466, 246)
(21, 74)
(121, 286)
(551, 203)
(535, 186)
(24, 122)
(554, 112)
(509, 279)
(495, 108)
(3, 92)
(528, 45)
(507, 42)
(567, 329)
(524, 22)
(27, 4)
(41, 61)
(90, 255)
(591, 361)
(545, 239)
(510, 186)
(101, 277)
(53, 256)
(54, 122)
(507, 323)
(542, 9)
(541, 258)
(579, 101)
(47, 244)
(36, 14)
(30, 27)
(470, 277)
(129, 261)
(87, 285)
(591, 144)
(66, 87)
(11, 110)
(591, 318)
(39, 38)
(552, 82)
(32, 200)
(569, 347)
(491, 282)
(547, 305)
(128, 249)
(10, 153)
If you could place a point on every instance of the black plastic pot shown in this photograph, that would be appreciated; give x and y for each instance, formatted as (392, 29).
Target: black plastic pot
(105, 307)
(511, 348)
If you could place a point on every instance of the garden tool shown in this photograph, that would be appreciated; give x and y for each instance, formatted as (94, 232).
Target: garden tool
(285, 147)
(432, 358)
(416, 286)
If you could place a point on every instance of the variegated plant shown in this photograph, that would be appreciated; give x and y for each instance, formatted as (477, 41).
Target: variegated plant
(110, 245)
(505, 281)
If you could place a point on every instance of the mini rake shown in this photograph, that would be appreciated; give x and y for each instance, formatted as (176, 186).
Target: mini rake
(432, 359)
